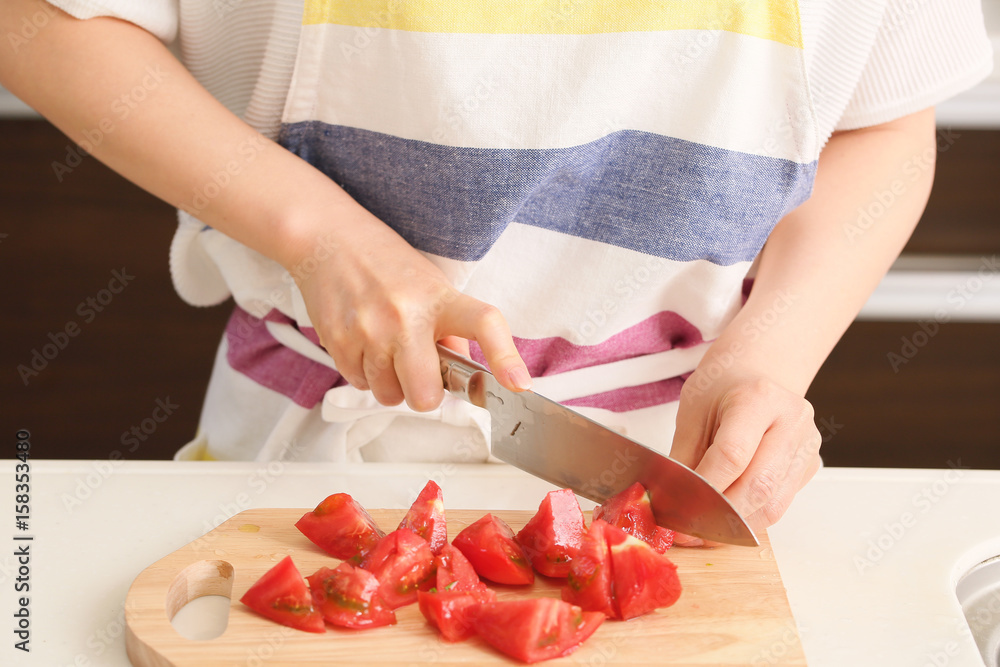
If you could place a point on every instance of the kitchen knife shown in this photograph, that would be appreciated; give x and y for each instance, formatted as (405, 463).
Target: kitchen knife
(565, 448)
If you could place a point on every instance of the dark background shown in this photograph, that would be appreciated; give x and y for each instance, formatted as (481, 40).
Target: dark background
(60, 242)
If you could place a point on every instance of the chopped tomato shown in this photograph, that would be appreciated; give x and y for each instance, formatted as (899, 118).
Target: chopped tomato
(455, 572)
(348, 597)
(644, 580)
(589, 582)
(281, 595)
(341, 527)
(631, 511)
(426, 517)
(490, 546)
(620, 575)
(551, 539)
(448, 611)
(536, 629)
(663, 539)
(403, 562)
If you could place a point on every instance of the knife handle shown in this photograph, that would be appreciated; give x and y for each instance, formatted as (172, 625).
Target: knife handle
(463, 377)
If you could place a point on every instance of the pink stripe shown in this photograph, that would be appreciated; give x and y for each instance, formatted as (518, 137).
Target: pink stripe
(663, 331)
(634, 398)
(547, 356)
(254, 352)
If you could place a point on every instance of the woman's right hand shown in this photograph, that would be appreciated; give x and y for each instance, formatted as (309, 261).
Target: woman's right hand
(379, 307)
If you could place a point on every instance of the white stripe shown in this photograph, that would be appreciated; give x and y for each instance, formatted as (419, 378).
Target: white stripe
(295, 340)
(602, 290)
(618, 374)
(552, 91)
(653, 426)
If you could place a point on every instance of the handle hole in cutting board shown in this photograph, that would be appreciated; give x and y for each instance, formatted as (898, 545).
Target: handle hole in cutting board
(198, 599)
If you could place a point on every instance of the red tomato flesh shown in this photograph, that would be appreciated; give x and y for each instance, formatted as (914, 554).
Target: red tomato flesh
(631, 511)
(281, 595)
(426, 517)
(644, 580)
(663, 539)
(551, 539)
(490, 546)
(348, 597)
(536, 629)
(404, 564)
(448, 611)
(631, 580)
(589, 582)
(341, 527)
(455, 572)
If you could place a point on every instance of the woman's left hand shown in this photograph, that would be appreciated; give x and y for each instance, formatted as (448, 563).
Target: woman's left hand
(750, 438)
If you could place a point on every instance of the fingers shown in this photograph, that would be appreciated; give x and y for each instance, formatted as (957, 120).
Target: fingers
(460, 345)
(743, 420)
(690, 439)
(398, 359)
(475, 320)
(764, 449)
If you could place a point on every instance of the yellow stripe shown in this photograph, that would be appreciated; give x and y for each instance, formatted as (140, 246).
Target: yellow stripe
(776, 20)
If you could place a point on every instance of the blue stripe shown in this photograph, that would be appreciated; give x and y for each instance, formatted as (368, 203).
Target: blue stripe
(650, 193)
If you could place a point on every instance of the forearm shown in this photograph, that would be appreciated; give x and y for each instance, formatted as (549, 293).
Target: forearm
(378, 309)
(824, 259)
(118, 92)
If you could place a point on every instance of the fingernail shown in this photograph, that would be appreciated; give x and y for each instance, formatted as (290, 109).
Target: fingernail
(519, 377)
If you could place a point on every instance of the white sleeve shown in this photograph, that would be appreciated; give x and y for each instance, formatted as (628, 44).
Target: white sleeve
(925, 52)
(158, 17)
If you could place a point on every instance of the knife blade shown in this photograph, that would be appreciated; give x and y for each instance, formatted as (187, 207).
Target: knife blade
(569, 450)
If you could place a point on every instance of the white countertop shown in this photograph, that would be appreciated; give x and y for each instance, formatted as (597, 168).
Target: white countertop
(870, 558)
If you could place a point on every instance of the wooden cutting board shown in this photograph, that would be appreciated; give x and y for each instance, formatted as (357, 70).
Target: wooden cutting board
(732, 611)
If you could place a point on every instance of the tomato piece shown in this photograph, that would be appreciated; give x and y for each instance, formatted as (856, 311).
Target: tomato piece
(455, 572)
(490, 546)
(536, 629)
(620, 575)
(551, 539)
(663, 539)
(404, 564)
(341, 527)
(631, 511)
(281, 595)
(349, 597)
(589, 582)
(448, 611)
(644, 580)
(426, 517)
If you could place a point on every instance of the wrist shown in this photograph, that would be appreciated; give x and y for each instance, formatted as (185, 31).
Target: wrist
(762, 342)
